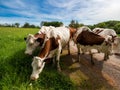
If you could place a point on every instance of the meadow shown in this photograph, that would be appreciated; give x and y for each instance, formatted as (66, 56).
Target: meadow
(15, 66)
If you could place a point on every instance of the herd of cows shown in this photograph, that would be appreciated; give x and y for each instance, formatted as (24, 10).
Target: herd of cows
(52, 40)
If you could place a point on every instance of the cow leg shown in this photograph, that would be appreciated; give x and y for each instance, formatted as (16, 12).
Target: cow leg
(58, 56)
(107, 53)
(82, 51)
(61, 51)
(91, 58)
(98, 51)
(106, 56)
(54, 59)
(69, 48)
(78, 47)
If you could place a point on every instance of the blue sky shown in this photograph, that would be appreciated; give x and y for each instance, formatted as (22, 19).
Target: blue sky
(35, 11)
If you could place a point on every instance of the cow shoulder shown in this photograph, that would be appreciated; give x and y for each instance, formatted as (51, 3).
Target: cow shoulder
(54, 42)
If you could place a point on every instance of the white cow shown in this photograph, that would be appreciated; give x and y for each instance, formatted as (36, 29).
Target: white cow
(54, 41)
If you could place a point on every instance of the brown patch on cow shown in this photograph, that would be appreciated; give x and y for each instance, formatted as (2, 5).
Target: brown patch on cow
(72, 32)
(50, 44)
(37, 35)
(89, 38)
(40, 38)
(98, 31)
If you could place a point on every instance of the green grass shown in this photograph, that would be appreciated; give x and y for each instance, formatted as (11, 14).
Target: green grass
(15, 66)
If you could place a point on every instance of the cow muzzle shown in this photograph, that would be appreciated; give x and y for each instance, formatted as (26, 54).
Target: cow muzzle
(33, 78)
(28, 53)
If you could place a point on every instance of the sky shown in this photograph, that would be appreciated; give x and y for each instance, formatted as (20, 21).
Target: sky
(88, 12)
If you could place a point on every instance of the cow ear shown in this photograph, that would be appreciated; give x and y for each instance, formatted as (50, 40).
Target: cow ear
(25, 38)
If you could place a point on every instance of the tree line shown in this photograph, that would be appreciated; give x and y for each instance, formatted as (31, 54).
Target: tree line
(26, 25)
(10, 25)
(112, 24)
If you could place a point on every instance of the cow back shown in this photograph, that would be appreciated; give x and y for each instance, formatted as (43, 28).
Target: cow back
(89, 38)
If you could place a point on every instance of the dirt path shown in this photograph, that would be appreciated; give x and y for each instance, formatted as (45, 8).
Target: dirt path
(105, 75)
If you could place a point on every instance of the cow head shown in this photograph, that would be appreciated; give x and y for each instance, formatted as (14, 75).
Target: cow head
(116, 46)
(32, 42)
(108, 40)
(37, 65)
(113, 37)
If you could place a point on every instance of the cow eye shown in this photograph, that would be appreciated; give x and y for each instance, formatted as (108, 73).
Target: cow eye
(38, 67)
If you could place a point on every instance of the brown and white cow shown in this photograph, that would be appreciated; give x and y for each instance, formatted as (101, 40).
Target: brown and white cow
(34, 41)
(116, 46)
(54, 41)
(88, 40)
(104, 32)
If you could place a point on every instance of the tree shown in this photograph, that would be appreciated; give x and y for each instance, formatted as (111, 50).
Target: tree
(75, 24)
(101, 25)
(117, 28)
(17, 25)
(26, 25)
(32, 26)
(53, 23)
(112, 24)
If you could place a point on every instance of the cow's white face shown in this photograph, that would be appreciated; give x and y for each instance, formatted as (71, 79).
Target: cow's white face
(109, 39)
(116, 45)
(37, 65)
(31, 44)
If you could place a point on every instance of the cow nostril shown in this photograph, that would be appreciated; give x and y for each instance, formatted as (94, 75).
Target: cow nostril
(33, 78)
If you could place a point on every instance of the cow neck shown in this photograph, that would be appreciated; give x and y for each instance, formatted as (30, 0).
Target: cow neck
(50, 44)
(45, 50)
(72, 32)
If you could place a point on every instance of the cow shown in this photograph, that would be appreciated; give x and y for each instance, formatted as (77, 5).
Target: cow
(34, 41)
(116, 46)
(82, 51)
(88, 40)
(104, 32)
(54, 41)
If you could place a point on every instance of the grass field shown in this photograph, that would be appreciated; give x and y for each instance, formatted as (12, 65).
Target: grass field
(15, 67)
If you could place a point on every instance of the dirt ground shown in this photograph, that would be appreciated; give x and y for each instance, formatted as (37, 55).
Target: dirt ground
(104, 75)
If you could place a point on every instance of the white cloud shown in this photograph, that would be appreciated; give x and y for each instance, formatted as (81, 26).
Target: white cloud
(85, 11)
